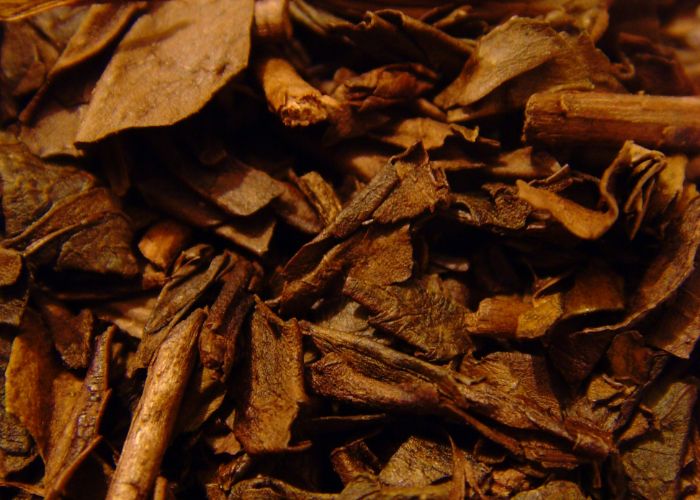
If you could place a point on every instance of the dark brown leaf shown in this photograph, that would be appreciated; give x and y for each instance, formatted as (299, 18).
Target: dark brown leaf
(275, 389)
(433, 323)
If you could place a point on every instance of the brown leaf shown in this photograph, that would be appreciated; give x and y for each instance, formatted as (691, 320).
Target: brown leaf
(578, 220)
(38, 390)
(508, 51)
(381, 255)
(144, 84)
(47, 205)
(217, 342)
(384, 86)
(81, 433)
(163, 241)
(653, 463)
(17, 449)
(275, 390)
(72, 334)
(431, 322)
(10, 266)
(553, 489)
(194, 272)
(679, 328)
(233, 186)
(418, 462)
(392, 36)
(321, 194)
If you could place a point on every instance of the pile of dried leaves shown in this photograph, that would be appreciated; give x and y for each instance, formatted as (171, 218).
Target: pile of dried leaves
(319, 249)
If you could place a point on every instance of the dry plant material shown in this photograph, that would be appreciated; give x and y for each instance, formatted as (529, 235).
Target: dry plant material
(332, 249)
(608, 120)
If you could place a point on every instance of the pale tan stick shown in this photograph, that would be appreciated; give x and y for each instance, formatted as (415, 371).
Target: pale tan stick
(593, 118)
(152, 425)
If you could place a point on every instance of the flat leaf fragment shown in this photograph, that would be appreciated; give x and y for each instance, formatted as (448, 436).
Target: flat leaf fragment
(200, 47)
(433, 323)
(275, 387)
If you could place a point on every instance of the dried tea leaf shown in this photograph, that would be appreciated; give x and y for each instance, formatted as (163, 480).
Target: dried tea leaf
(404, 383)
(553, 489)
(293, 207)
(148, 84)
(380, 255)
(431, 322)
(679, 328)
(418, 462)
(17, 449)
(321, 195)
(194, 273)
(45, 204)
(275, 389)
(432, 133)
(391, 36)
(71, 333)
(80, 436)
(233, 186)
(497, 207)
(101, 25)
(163, 241)
(384, 86)
(39, 392)
(217, 341)
(10, 267)
(653, 463)
(673, 265)
(508, 51)
(578, 220)
(422, 188)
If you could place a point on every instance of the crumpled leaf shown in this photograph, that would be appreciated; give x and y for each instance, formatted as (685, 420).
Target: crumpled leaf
(381, 255)
(321, 195)
(578, 220)
(433, 323)
(404, 383)
(148, 85)
(432, 133)
(553, 489)
(653, 463)
(194, 272)
(384, 86)
(81, 434)
(275, 389)
(422, 188)
(16, 446)
(392, 36)
(389, 198)
(61, 412)
(419, 461)
(498, 207)
(47, 205)
(679, 328)
(509, 50)
(72, 334)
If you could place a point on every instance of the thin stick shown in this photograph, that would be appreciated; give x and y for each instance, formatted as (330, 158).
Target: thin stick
(152, 425)
(593, 118)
